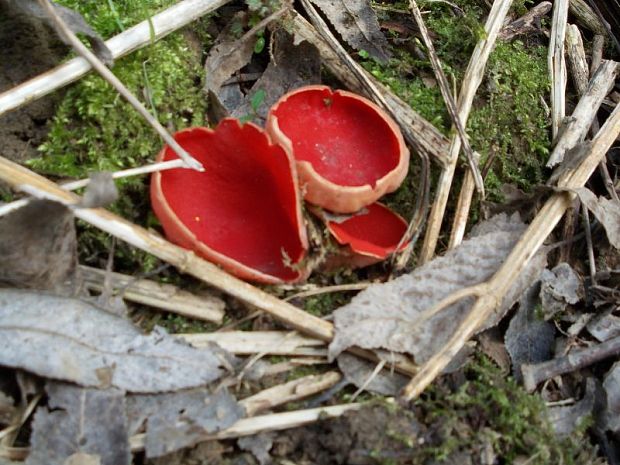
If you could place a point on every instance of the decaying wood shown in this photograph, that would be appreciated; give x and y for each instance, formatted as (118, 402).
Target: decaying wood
(533, 375)
(471, 81)
(186, 261)
(527, 23)
(495, 289)
(106, 74)
(557, 65)
(577, 125)
(444, 87)
(292, 391)
(577, 62)
(254, 342)
(120, 45)
(598, 42)
(265, 423)
(163, 296)
(586, 17)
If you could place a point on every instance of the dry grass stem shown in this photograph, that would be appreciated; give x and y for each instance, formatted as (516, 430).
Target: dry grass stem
(444, 87)
(557, 65)
(120, 45)
(292, 391)
(163, 296)
(471, 81)
(106, 74)
(253, 342)
(329, 289)
(533, 238)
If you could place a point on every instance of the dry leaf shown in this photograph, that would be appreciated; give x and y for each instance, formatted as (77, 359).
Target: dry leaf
(78, 420)
(291, 66)
(559, 287)
(384, 315)
(565, 419)
(529, 339)
(358, 371)
(611, 384)
(357, 23)
(71, 340)
(74, 21)
(606, 211)
(181, 419)
(38, 247)
(259, 445)
(605, 326)
(100, 192)
(227, 56)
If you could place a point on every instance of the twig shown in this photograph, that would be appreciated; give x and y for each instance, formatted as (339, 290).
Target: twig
(120, 45)
(575, 360)
(587, 230)
(329, 289)
(186, 261)
(557, 65)
(252, 342)
(164, 296)
(598, 43)
(526, 23)
(576, 55)
(471, 81)
(106, 74)
(533, 238)
(368, 380)
(444, 87)
(580, 121)
(586, 17)
(264, 423)
(289, 392)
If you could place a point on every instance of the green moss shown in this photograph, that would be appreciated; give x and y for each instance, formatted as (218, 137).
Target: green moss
(95, 129)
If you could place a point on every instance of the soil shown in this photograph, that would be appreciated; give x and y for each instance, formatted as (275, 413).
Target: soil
(28, 48)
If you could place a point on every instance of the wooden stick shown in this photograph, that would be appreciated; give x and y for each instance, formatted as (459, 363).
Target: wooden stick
(587, 17)
(471, 81)
(577, 62)
(575, 360)
(265, 423)
(289, 392)
(444, 87)
(598, 43)
(186, 261)
(106, 74)
(497, 287)
(253, 342)
(580, 121)
(163, 296)
(557, 65)
(120, 45)
(526, 23)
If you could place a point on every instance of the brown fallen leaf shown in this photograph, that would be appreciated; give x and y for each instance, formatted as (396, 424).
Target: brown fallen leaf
(388, 316)
(606, 211)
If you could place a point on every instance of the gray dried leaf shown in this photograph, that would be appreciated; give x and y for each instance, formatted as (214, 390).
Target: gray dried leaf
(100, 192)
(228, 55)
(80, 421)
(605, 327)
(38, 247)
(291, 66)
(74, 21)
(71, 340)
(611, 384)
(358, 371)
(357, 23)
(385, 315)
(529, 339)
(565, 419)
(559, 287)
(606, 211)
(181, 419)
(258, 445)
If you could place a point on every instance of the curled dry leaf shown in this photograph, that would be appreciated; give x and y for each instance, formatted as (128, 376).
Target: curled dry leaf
(357, 23)
(387, 315)
(559, 287)
(606, 211)
(80, 421)
(71, 340)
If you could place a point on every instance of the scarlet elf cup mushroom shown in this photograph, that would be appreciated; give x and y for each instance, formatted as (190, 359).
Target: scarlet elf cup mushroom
(349, 152)
(243, 212)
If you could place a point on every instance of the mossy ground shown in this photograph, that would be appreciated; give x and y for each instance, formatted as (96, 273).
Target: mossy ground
(94, 129)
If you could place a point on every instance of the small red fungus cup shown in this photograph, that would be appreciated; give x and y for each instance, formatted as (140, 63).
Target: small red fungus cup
(349, 152)
(370, 236)
(244, 211)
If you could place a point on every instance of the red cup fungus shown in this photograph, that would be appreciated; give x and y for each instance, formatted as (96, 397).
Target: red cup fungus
(371, 235)
(349, 152)
(243, 212)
